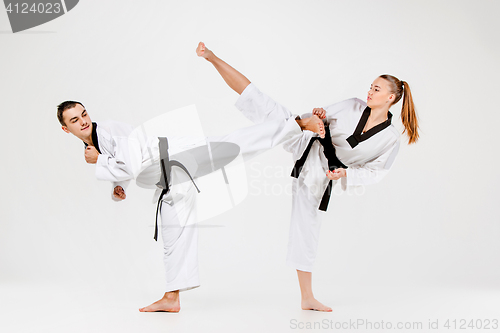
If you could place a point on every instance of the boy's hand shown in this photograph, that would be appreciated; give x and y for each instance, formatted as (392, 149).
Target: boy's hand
(91, 155)
(119, 193)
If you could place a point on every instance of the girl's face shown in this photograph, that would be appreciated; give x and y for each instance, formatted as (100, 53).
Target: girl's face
(379, 94)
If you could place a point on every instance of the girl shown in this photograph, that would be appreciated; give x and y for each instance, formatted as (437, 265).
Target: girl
(359, 149)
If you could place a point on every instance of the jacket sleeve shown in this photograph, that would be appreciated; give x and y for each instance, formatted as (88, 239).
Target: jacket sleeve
(373, 171)
(333, 110)
(123, 158)
(298, 143)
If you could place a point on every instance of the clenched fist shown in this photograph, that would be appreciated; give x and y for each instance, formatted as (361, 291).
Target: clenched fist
(91, 155)
(119, 193)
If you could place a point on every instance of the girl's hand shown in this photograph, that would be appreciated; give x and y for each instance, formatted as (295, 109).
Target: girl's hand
(320, 112)
(337, 174)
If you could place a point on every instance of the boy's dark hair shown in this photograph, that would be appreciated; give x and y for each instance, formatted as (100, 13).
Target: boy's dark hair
(63, 107)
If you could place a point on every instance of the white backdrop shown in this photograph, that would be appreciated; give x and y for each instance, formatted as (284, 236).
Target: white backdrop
(433, 221)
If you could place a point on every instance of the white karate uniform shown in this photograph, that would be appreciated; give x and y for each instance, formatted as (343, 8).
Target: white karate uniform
(368, 163)
(128, 154)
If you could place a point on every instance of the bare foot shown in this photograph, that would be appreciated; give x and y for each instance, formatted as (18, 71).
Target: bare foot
(313, 304)
(313, 124)
(169, 303)
(203, 51)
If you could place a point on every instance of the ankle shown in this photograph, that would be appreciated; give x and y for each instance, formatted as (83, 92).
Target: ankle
(171, 295)
(301, 122)
(212, 58)
(307, 296)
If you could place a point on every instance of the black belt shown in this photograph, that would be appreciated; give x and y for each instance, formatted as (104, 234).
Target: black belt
(333, 163)
(164, 183)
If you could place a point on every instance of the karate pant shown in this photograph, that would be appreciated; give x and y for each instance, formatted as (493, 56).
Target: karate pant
(305, 224)
(304, 227)
(180, 241)
(275, 124)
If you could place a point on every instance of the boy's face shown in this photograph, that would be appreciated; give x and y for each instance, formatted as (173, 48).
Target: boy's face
(77, 122)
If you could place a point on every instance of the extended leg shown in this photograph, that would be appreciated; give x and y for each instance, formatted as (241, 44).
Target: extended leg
(237, 81)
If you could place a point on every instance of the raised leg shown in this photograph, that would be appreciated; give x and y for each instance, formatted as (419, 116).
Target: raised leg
(237, 81)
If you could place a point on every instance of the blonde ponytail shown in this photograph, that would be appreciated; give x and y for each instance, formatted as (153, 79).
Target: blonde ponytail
(408, 115)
